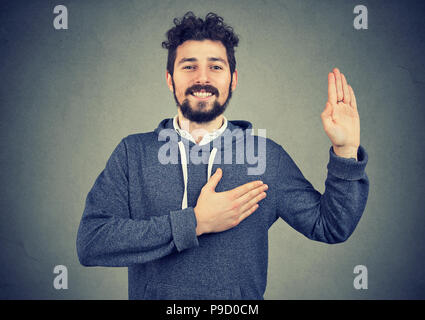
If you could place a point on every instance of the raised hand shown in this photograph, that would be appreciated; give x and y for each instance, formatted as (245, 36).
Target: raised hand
(220, 211)
(340, 117)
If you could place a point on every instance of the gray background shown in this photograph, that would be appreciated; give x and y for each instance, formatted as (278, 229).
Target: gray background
(68, 97)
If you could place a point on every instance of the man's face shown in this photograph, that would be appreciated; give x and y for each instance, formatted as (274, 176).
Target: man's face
(202, 83)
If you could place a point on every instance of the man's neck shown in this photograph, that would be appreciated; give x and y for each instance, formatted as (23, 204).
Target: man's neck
(198, 130)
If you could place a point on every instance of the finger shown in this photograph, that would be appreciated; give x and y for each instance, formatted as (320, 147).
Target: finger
(247, 213)
(353, 102)
(241, 190)
(253, 202)
(215, 178)
(332, 96)
(347, 95)
(250, 195)
(339, 91)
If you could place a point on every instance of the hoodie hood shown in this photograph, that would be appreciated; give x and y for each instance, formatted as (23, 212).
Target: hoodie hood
(184, 145)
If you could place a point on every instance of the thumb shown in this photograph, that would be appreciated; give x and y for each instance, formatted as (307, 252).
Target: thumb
(214, 180)
(327, 116)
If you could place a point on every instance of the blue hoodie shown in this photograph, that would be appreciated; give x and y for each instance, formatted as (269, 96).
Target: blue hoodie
(139, 213)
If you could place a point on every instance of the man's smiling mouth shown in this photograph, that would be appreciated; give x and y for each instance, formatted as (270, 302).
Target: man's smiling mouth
(201, 94)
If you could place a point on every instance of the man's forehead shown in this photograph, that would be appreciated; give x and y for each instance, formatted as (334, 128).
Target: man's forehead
(204, 50)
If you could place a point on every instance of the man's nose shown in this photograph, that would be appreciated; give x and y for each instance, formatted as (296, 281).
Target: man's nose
(202, 76)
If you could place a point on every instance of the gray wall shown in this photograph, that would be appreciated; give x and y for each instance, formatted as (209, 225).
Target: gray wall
(68, 97)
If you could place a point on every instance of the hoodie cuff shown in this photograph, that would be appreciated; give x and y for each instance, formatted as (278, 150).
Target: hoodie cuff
(183, 227)
(348, 168)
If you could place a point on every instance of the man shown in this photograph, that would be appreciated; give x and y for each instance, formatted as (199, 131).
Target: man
(185, 233)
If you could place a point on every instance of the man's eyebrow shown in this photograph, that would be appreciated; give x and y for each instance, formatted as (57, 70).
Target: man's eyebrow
(217, 59)
(209, 59)
(187, 60)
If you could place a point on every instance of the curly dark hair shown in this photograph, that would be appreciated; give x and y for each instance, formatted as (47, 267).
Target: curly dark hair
(189, 27)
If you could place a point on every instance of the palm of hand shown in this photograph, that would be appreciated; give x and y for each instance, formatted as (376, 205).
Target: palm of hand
(340, 118)
(344, 127)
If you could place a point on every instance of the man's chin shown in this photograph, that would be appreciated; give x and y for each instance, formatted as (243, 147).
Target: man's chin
(201, 104)
(201, 114)
(202, 111)
(200, 117)
(202, 107)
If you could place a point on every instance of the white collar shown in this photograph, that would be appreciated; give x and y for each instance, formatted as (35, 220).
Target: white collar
(208, 137)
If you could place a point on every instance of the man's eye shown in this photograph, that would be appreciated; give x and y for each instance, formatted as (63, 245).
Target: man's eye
(188, 67)
(217, 68)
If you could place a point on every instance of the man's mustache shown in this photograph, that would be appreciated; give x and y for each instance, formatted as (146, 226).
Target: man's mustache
(198, 87)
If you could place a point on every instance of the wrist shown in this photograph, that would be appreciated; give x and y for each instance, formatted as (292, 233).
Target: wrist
(199, 224)
(346, 151)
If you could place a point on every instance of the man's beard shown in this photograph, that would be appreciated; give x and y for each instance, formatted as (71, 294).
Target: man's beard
(202, 116)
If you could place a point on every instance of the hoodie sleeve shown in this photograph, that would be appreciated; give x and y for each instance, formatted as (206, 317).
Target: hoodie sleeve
(107, 236)
(333, 216)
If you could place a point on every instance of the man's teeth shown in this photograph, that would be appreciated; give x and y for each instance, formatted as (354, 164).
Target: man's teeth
(202, 94)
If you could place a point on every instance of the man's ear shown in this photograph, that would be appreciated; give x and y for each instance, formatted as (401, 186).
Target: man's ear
(169, 80)
(234, 80)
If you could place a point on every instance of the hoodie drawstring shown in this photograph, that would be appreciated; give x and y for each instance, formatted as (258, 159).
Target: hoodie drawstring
(184, 169)
(211, 162)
